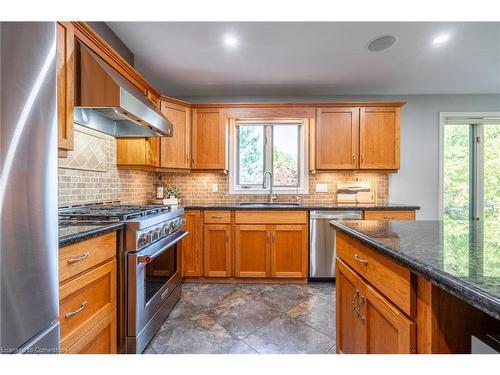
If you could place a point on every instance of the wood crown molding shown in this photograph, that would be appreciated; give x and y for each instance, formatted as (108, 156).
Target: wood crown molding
(92, 39)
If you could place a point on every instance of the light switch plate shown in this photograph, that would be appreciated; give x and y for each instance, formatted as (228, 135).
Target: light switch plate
(215, 188)
(321, 188)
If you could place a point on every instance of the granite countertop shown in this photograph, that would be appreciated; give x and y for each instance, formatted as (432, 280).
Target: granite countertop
(308, 207)
(75, 232)
(461, 257)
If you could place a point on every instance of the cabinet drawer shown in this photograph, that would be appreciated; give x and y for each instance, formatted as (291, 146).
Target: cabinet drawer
(85, 301)
(389, 215)
(270, 217)
(101, 339)
(81, 256)
(391, 279)
(217, 217)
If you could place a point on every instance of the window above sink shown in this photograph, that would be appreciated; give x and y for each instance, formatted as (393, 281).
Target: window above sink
(279, 146)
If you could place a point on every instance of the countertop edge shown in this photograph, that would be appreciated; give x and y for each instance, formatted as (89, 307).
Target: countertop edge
(490, 304)
(238, 207)
(78, 237)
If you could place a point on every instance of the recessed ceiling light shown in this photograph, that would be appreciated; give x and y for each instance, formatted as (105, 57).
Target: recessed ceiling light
(441, 39)
(381, 43)
(230, 41)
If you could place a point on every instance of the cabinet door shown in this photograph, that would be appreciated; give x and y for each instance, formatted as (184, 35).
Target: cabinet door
(217, 250)
(65, 83)
(153, 152)
(138, 152)
(379, 138)
(175, 150)
(192, 254)
(100, 339)
(337, 138)
(208, 140)
(350, 328)
(289, 251)
(251, 250)
(388, 331)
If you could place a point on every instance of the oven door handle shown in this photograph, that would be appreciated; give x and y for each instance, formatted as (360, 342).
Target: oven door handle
(158, 248)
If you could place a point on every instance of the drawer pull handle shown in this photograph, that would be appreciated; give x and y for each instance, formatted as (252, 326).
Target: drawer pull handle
(74, 260)
(71, 313)
(164, 294)
(389, 217)
(216, 217)
(360, 260)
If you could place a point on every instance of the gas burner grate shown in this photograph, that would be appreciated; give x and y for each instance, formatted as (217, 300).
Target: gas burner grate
(111, 212)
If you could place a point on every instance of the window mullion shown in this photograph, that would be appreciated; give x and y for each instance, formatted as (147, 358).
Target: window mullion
(268, 151)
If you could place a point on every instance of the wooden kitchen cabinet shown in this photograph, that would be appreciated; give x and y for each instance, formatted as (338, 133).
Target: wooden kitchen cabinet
(336, 138)
(367, 323)
(192, 251)
(252, 248)
(176, 150)
(65, 65)
(209, 140)
(289, 251)
(217, 250)
(389, 215)
(379, 139)
(138, 152)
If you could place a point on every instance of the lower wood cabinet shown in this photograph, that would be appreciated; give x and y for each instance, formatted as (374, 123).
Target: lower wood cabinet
(389, 215)
(252, 248)
(366, 321)
(289, 251)
(217, 250)
(192, 250)
(88, 295)
(276, 251)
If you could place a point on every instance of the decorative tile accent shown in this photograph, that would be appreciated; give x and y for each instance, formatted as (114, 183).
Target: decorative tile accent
(89, 153)
(77, 186)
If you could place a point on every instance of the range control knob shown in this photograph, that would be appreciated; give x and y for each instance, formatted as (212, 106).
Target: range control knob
(143, 240)
(157, 233)
(150, 236)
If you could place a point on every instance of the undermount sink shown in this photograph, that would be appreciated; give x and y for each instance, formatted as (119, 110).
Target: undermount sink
(270, 204)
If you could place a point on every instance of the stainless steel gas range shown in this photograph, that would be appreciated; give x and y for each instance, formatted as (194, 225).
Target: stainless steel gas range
(150, 265)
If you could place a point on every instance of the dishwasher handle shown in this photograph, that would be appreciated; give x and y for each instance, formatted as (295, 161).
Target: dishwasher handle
(335, 215)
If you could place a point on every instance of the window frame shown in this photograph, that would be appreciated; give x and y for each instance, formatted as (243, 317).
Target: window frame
(476, 121)
(269, 123)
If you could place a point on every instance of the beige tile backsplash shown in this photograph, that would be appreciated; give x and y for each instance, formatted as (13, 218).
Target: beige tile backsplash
(197, 188)
(89, 176)
(79, 185)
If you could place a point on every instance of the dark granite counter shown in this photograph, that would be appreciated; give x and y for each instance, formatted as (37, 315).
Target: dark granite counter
(72, 233)
(461, 257)
(307, 207)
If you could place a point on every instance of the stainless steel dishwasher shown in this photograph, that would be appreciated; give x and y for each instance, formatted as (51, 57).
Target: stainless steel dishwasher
(322, 242)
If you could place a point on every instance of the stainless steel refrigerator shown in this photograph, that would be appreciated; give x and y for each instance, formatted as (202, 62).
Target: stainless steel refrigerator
(28, 194)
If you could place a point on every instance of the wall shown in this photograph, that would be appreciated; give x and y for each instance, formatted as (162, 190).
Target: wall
(100, 181)
(418, 179)
(197, 188)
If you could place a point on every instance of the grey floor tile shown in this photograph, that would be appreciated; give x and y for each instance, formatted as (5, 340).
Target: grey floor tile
(182, 312)
(239, 348)
(317, 312)
(289, 336)
(207, 295)
(333, 350)
(284, 297)
(198, 335)
(241, 314)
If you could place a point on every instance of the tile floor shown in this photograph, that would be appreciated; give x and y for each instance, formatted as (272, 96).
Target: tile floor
(249, 319)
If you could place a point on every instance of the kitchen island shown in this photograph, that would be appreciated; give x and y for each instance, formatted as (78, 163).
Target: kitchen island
(416, 286)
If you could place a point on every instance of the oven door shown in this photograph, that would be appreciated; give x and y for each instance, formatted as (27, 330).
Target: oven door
(153, 274)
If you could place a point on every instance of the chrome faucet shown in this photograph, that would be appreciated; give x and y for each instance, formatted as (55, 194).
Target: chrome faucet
(271, 196)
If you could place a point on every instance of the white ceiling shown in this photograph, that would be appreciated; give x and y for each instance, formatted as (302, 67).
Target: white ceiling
(301, 59)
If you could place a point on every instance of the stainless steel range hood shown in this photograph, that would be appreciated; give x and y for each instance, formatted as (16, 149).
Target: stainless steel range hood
(107, 102)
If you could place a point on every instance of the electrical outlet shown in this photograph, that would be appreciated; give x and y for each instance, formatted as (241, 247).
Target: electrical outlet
(321, 188)
(215, 188)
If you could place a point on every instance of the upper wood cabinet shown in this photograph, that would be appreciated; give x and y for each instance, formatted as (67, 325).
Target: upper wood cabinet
(176, 150)
(217, 259)
(379, 138)
(136, 152)
(337, 138)
(209, 140)
(192, 251)
(65, 63)
(356, 138)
